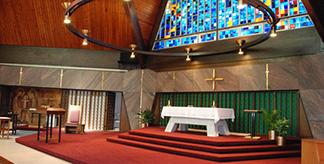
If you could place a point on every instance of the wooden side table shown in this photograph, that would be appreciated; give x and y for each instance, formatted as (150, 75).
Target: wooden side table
(3, 128)
(253, 112)
(49, 123)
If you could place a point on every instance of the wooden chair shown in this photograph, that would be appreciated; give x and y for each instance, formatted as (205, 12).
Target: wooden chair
(74, 120)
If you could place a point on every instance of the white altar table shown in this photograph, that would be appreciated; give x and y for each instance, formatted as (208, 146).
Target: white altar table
(212, 118)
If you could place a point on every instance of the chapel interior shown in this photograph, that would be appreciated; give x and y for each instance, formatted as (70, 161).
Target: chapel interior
(162, 81)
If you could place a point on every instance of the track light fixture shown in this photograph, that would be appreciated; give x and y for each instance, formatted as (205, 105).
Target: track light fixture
(268, 13)
(240, 43)
(66, 4)
(188, 49)
(67, 19)
(133, 46)
(85, 41)
(273, 33)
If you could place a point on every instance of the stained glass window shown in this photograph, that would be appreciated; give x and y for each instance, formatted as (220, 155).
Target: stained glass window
(187, 22)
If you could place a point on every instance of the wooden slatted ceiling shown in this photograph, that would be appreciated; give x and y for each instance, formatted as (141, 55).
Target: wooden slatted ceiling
(147, 11)
(40, 22)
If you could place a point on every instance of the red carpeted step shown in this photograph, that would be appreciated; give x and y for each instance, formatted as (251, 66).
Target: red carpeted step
(207, 155)
(209, 148)
(217, 141)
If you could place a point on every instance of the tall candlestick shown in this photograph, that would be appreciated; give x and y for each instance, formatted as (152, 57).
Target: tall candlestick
(213, 103)
(169, 103)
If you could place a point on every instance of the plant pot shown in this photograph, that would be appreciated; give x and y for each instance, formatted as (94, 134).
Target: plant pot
(271, 135)
(280, 141)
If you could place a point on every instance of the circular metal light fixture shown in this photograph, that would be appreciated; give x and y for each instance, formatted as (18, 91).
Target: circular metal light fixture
(269, 16)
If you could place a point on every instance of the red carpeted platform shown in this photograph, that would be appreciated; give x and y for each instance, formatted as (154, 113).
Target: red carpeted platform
(4, 161)
(94, 148)
(223, 148)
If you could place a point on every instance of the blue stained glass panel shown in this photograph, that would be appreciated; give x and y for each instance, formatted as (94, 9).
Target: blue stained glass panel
(251, 30)
(300, 22)
(184, 18)
(243, 17)
(187, 17)
(207, 37)
(159, 45)
(189, 40)
(235, 16)
(226, 34)
(214, 14)
(267, 27)
(302, 8)
(172, 43)
(221, 13)
(250, 14)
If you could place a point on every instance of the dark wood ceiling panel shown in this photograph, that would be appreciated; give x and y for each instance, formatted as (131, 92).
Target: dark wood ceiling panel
(40, 23)
(315, 10)
(147, 11)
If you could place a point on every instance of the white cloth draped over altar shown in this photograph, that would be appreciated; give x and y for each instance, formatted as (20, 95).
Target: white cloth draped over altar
(213, 118)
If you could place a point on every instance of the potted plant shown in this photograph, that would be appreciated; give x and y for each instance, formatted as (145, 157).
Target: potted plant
(281, 128)
(146, 117)
(270, 118)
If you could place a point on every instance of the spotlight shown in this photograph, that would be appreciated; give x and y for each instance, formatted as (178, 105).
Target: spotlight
(273, 33)
(241, 52)
(133, 46)
(84, 42)
(67, 19)
(66, 4)
(240, 43)
(188, 59)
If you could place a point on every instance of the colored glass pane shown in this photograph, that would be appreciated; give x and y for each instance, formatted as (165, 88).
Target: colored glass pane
(207, 37)
(226, 34)
(204, 20)
(251, 30)
(172, 43)
(189, 40)
(159, 45)
(282, 24)
(300, 22)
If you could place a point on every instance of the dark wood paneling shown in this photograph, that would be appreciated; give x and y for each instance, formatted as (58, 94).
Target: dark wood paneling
(315, 10)
(40, 23)
(147, 12)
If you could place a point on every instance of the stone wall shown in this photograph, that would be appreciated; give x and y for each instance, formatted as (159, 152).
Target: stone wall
(305, 73)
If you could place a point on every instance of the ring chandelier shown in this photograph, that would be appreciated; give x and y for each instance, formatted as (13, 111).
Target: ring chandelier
(269, 16)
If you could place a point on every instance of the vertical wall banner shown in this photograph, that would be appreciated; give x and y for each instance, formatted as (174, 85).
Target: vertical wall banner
(93, 106)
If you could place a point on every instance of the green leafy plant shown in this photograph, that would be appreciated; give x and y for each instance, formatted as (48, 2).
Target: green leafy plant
(145, 116)
(281, 127)
(270, 118)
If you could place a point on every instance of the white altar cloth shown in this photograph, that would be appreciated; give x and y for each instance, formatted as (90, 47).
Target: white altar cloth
(213, 118)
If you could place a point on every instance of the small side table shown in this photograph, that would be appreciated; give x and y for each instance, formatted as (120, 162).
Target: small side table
(253, 112)
(49, 113)
(3, 128)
